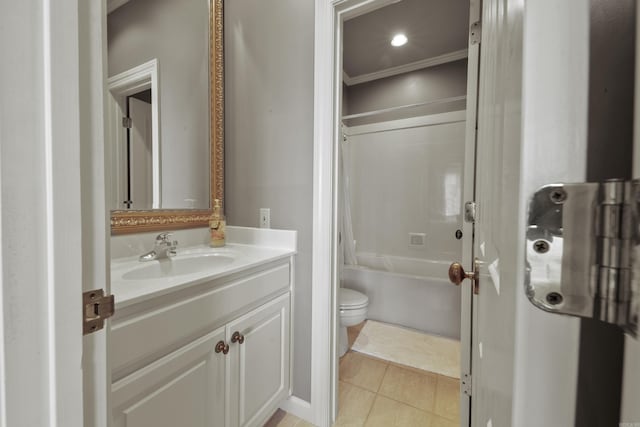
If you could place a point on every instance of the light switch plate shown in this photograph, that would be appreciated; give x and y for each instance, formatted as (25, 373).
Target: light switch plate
(265, 218)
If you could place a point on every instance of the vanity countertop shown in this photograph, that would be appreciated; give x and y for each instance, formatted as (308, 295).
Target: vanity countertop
(241, 257)
(133, 281)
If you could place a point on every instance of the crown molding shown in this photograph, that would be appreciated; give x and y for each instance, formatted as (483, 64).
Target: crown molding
(406, 68)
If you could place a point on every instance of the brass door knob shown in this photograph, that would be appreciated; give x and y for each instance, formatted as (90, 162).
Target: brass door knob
(237, 337)
(221, 347)
(457, 275)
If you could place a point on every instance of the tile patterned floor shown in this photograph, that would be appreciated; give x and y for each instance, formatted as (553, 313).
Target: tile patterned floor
(284, 419)
(374, 392)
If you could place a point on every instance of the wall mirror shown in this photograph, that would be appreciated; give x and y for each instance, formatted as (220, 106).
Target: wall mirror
(164, 119)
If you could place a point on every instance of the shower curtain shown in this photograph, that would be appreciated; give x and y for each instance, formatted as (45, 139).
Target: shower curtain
(349, 245)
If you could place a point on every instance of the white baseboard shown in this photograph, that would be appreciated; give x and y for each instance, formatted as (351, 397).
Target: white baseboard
(298, 407)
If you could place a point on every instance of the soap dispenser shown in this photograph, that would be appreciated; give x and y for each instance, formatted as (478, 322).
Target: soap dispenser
(217, 226)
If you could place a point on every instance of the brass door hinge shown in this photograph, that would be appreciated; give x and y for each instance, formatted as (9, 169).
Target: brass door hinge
(475, 32)
(470, 212)
(465, 382)
(95, 308)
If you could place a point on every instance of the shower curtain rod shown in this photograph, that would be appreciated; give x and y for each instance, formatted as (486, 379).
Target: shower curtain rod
(403, 107)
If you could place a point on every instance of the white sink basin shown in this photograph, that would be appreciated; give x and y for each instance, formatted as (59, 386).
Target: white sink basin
(178, 266)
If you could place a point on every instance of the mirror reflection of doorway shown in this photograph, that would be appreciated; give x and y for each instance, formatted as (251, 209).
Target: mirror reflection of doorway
(133, 136)
(139, 160)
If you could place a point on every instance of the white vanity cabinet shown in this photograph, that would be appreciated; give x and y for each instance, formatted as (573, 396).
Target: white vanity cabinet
(212, 354)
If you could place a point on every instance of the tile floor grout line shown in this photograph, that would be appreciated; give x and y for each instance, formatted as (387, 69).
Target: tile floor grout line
(406, 404)
(370, 409)
(386, 369)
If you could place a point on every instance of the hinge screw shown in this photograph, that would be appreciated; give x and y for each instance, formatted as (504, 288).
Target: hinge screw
(554, 298)
(558, 196)
(540, 246)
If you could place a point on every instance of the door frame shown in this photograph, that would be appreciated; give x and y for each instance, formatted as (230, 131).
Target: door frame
(329, 14)
(630, 411)
(324, 319)
(129, 82)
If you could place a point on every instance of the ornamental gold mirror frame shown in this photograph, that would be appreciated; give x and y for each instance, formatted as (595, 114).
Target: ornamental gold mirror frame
(139, 221)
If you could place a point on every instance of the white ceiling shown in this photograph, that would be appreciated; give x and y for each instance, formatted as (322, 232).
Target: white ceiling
(433, 27)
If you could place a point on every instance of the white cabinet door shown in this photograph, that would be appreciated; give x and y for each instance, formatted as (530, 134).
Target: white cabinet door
(260, 365)
(184, 388)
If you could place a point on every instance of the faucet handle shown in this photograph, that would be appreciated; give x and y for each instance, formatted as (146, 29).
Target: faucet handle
(163, 237)
(171, 251)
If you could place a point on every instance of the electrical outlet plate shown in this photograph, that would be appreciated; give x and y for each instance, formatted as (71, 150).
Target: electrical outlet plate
(265, 218)
(417, 240)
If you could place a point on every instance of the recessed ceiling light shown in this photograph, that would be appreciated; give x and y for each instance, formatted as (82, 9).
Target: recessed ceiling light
(399, 40)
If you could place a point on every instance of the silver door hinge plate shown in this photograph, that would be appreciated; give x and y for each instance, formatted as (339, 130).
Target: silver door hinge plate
(465, 384)
(96, 307)
(582, 254)
(470, 212)
(475, 32)
(127, 122)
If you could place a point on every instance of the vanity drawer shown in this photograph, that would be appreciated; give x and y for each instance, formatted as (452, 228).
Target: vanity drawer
(154, 332)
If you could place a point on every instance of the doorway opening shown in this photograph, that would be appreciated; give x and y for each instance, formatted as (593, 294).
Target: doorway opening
(134, 138)
(137, 167)
(404, 168)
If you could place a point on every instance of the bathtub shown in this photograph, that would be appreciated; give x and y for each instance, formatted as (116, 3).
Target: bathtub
(406, 291)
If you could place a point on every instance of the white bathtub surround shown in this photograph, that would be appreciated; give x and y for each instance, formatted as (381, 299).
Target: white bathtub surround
(410, 348)
(410, 292)
(405, 177)
(417, 267)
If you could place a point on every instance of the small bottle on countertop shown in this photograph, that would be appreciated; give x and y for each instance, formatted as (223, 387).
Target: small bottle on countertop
(217, 226)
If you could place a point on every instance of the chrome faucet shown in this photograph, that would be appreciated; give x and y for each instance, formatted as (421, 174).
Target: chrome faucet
(163, 248)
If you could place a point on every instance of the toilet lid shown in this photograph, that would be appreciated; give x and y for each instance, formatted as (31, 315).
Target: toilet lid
(352, 299)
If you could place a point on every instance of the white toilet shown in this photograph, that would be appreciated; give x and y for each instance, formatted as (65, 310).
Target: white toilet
(353, 310)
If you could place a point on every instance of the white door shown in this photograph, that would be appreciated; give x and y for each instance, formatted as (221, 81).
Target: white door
(532, 130)
(53, 219)
(95, 228)
(467, 297)
(140, 154)
(531, 123)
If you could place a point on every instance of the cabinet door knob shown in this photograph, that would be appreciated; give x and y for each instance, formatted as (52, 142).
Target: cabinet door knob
(221, 347)
(237, 337)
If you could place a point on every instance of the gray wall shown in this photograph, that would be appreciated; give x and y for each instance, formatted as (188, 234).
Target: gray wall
(269, 137)
(442, 81)
(145, 29)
